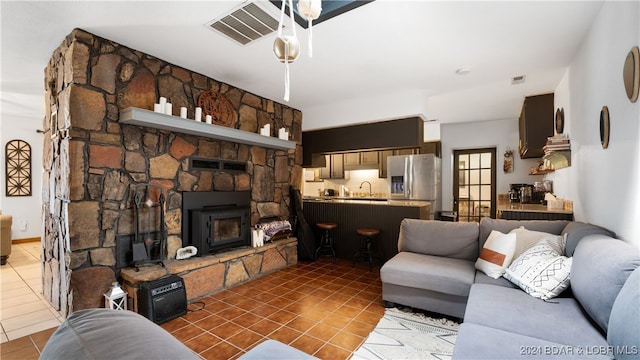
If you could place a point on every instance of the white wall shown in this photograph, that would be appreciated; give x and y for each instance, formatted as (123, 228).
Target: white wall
(20, 116)
(361, 110)
(501, 134)
(604, 184)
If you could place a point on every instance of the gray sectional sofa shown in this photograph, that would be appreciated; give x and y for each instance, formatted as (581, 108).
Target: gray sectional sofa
(597, 317)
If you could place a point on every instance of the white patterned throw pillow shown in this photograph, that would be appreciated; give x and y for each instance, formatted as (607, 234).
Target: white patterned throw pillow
(496, 254)
(540, 271)
(525, 239)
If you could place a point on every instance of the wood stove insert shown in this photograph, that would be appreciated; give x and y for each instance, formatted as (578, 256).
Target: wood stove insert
(215, 221)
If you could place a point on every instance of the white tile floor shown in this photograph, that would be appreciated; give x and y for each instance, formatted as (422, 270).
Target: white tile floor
(23, 309)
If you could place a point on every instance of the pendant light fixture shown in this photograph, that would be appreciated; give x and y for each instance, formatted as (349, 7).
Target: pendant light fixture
(310, 10)
(286, 47)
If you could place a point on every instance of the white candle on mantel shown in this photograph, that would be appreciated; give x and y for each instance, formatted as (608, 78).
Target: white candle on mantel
(208, 119)
(168, 109)
(162, 102)
(157, 108)
(198, 116)
(183, 112)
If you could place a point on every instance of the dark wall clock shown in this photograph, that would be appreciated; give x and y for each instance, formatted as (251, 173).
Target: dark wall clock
(604, 127)
(18, 168)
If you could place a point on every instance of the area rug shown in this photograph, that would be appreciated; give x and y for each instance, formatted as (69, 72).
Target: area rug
(402, 334)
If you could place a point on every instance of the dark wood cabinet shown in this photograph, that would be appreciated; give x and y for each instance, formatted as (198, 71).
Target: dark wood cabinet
(361, 160)
(334, 168)
(369, 158)
(382, 162)
(536, 124)
(351, 159)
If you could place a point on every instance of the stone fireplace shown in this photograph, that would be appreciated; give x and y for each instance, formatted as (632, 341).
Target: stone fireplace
(92, 162)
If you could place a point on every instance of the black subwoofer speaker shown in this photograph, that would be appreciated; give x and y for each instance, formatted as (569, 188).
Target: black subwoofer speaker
(163, 299)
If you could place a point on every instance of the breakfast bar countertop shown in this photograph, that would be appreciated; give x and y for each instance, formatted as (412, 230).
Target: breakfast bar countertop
(351, 214)
(366, 201)
(506, 205)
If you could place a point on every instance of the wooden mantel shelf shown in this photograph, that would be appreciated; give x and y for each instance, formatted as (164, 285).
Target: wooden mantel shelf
(142, 117)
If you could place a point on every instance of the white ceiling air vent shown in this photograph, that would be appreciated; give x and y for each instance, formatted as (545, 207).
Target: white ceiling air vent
(246, 23)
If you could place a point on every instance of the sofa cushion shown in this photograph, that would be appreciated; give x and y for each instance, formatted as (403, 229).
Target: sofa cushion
(601, 265)
(504, 226)
(574, 231)
(559, 320)
(541, 271)
(436, 273)
(113, 334)
(456, 240)
(624, 323)
(497, 253)
(482, 278)
(482, 342)
(526, 239)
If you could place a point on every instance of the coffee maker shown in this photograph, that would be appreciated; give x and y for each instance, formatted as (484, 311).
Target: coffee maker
(540, 189)
(515, 192)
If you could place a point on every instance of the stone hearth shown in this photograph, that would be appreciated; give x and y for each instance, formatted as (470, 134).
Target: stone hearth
(209, 274)
(92, 162)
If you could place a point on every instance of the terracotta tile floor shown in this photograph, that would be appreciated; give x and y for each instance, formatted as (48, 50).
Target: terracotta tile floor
(322, 308)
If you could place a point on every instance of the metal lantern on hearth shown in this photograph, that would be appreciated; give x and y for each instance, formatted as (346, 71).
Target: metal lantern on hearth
(115, 298)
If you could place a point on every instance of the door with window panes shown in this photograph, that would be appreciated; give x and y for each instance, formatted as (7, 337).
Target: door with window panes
(474, 184)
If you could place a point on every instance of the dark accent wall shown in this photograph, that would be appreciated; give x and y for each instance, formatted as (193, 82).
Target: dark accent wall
(392, 134)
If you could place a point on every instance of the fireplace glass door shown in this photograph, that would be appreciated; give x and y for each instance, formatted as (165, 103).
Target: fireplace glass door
(225, 229)
(218, 228)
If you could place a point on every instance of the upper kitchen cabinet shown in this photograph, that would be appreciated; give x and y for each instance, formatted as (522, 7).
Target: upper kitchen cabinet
(536, 125)
(361, 160)
(334, 168)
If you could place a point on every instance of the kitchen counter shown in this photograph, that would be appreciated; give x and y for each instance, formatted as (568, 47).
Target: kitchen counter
(515, 206)
(517, 211)
(351, 214)
(367, 201)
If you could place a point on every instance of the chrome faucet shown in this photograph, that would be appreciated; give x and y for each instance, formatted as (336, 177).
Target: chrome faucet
(370, 193)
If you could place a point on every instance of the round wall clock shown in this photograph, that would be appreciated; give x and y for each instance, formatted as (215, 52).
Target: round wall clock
(220, 109)
(631, 74)
(604, 127)
(559, 120)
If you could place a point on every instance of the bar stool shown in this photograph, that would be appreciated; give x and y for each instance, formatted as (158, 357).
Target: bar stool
(326, 242)
(366, 251)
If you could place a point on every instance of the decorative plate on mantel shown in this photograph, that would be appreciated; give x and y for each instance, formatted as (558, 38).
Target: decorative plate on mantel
(220, 109)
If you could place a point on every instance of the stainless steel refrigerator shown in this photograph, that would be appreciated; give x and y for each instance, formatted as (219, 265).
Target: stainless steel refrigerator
(415, 177)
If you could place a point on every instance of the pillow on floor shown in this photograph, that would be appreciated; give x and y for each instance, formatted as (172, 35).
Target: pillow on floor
(525, 239)
(540, 271)
(496, 254)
